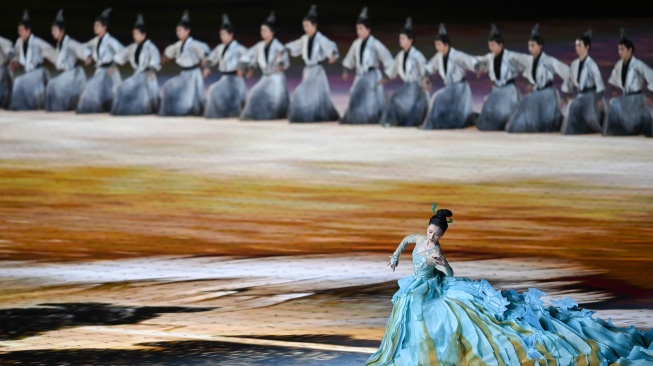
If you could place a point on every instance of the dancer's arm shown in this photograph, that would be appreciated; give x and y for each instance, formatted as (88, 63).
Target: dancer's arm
(394, 258)
(442, 261)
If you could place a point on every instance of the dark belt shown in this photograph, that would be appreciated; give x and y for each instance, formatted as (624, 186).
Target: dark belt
(371, 68)
(196, 66)
(588, 89)
(230, 73)
(508, 82)
(461, 80)
(39, 65)
(634, 93)
(105, 65)
(548, 85)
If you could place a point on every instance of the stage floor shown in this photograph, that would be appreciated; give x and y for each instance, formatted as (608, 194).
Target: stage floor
(169, 241)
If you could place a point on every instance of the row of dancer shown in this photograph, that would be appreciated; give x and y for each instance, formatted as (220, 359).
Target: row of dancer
(450, 107)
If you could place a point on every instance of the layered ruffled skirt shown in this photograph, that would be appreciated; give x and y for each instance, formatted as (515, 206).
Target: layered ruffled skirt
(456, 321)
(63, 91)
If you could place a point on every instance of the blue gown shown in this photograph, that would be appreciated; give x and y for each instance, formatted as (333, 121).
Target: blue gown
(445, 320)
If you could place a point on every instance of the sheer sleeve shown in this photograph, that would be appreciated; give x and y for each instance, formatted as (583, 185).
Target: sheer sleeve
(410, 239)
(447, 268)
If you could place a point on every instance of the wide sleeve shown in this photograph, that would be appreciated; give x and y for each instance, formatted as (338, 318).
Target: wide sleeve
(598, 80)
(123, 56)
(410, 239)
(647, 73)
(384, 56)
(615, 77)
(7, 49)
(447, 268)
(558, 67)
(421, 63)
(294, 47)
(431, 66)
(568, 83)
(248, 58)
(89, 46)
(349, 62)
(154, 61)
(215, 56)
(483, 62)
(172, 51)
(330, 47)
(394, 71)
(520, 61)
(17, 50)
(78, 49)
(201, 49)
(49, 52)
(467, 62)
(116, 46)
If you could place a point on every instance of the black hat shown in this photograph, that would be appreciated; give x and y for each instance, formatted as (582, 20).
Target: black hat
(495, 35)
(226, 24)
(103, 18)
(363, 18)
(185, 20)
(443, 36)
(623, 40)
(140, 23)
(312, 14)
(25, 20)
(408, 28)
(270, 21)
(59, 20)
(535, 35)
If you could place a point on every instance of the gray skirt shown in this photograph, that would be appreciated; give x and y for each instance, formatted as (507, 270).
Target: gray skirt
(628, 116)
(99, 91)
(537, 112)
(63, 91)
(268, 99)
(498, 106)
(311, 100)
(450, 107)
(28, 91)
(407, 107)
(183, 95)
(137, 95)
(226, 97)
(6, 82)
(585, 115)
(366, 101)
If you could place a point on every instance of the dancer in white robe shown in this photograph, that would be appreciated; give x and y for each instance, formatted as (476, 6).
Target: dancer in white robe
(63, 91)
(503, 67)
(586, 113)
(30, 51)
(100, 89)
(540, 110)
(226, 97)
(408, 105)
(139, 93)
(183, 95)
(268, 99)
(372, 63)
(6, 77)
(628, 114)
(311, 100)
(451, 106)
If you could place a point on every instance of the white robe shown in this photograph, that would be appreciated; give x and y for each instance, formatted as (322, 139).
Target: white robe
(638, 73)
(323, 48)
(375, 55)
(227, 60)
(590, 77)
(415, 66)
(103, 55)
(512, 65)
(64, 90)
(28, 92)
(458, 63)
(547, 68)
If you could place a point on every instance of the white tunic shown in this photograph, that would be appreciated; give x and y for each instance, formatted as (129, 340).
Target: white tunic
(375, 54)
(415, 66)
(547, 68)
(6, 51)
(227, 60)
(148, 59)
(457, 64)
(37, 51)
(277, 57)
(323, 48)
(188, 53)
(68, 52)
(108, 47)
(590, 77)
(512, 64)
(638, 72)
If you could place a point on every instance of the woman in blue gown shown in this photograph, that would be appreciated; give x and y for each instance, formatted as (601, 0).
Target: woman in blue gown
(439, 319)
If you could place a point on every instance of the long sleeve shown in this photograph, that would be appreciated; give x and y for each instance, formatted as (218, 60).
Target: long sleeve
(114, 45)
(394, 71)
(154, 59)
(281, 58)
(384, 56)
(49, 53)
(124, 55)
(432, 65)
(483, 62)
(598, 80)
(295, 47)
(410, 239)
(81, 52)
(615, 76)
(248, 58)
(6, 51)
(559, 68)
(329, 47)
(172, 50)
(349, 62)
(646, 73)
(467, 62)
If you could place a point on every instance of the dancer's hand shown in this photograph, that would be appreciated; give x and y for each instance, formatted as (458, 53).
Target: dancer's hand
(426, 84)
(345, 76)
(439, 260)
(250, 73)
(529, 88)
(206, 72)
(88, 61)
(332, 59)
(152, 75)
(239, 72)
(13, 65)
(478, 74)
(393, 266)
(164, 60)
